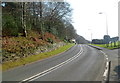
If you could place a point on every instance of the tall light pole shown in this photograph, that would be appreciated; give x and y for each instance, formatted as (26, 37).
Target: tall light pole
(107, 41)
(91, 34)
(106, 22)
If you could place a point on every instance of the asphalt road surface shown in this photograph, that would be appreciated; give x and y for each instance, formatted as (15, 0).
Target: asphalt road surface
(79, 63)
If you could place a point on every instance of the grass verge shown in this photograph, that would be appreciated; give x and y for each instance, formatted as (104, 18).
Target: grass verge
(23, 61)
(109, 47)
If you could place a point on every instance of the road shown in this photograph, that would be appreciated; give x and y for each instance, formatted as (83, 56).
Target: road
(79, 63)
(114, 57)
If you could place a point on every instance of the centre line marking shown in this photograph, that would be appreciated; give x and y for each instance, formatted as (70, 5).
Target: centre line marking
(52, 68)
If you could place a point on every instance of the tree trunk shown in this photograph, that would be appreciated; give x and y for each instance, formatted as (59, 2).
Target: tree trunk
(24, 19)
(114, 44)
(41, 21)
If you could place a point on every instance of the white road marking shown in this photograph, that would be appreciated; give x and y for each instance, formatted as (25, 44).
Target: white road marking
(106, 67)
(107, 59)
(52, 68)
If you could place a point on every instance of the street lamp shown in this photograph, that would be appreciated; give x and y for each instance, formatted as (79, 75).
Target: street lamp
(106, 22)
(107, 41)
(91, 34)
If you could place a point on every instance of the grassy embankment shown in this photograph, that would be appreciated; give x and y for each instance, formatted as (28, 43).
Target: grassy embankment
(111, 45)
(23, 61)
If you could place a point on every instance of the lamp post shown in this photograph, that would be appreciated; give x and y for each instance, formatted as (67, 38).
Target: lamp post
(107, 41)
(91, 34)
(106, 22)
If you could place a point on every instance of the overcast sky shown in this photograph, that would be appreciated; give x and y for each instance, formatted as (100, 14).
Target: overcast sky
(86, 17)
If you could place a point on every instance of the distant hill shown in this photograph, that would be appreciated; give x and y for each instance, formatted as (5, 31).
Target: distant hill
(81, 40)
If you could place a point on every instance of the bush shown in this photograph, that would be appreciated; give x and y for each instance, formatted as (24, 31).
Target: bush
(9, 25)
(65, 41)
(49, 40)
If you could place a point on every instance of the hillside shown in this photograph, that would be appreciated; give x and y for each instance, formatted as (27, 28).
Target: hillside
(81, 40)
(31, 29)
(14, 48)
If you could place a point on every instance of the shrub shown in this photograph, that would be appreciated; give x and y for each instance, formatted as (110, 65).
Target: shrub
(49, 40)
(9, 25)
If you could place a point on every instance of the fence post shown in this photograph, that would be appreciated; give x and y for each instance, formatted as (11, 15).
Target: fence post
(108, 76)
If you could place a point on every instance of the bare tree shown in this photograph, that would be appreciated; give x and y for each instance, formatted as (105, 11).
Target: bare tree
(24, 4)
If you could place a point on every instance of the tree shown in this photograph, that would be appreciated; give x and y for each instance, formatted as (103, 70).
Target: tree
(107, 40)
(10, 20)
(52, 17)
(24, 7)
